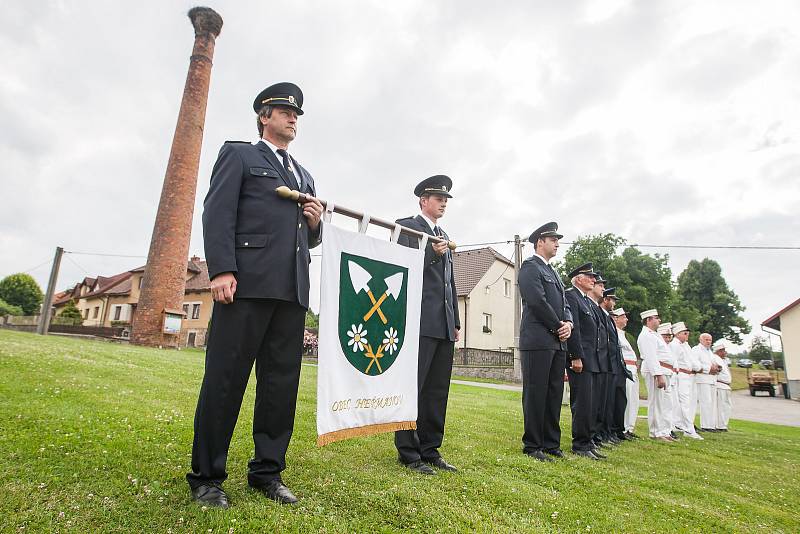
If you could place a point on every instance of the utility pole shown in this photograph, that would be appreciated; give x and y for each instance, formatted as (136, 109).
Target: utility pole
(47, 305)
(517, 307)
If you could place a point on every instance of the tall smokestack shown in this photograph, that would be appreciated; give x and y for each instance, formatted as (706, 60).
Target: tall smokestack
(164, 280)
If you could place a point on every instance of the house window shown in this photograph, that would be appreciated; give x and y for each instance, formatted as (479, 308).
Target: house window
(506, 287)
(96, 312)
(186, 310)
(195, 311)
(117, 312)
(487, 323)
(86, 313)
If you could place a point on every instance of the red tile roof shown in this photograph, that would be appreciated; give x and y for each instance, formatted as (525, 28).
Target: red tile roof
(469, 266)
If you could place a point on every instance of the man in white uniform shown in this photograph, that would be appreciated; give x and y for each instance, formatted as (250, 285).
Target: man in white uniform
(706, 380)
(665, 331)
(656, 370)
(685, 370)
(723, 386)
(631, 387)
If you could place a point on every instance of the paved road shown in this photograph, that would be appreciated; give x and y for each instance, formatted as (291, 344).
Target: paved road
(759, 409)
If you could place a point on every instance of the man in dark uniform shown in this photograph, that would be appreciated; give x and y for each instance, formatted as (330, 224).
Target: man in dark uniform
(545, 326)
(439, 330)
(600, 386)
(582, 347)
(616, 400)
(256, 246)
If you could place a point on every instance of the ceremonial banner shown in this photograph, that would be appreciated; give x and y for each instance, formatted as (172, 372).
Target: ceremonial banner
(368, 336)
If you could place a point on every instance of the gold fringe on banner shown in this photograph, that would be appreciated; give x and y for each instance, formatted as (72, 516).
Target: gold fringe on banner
(360, 431)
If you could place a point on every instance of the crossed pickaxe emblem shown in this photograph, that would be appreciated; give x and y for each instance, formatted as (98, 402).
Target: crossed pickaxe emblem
(361, 278)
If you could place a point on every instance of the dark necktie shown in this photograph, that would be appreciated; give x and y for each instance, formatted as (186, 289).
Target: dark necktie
(437, 231)
(285, 156)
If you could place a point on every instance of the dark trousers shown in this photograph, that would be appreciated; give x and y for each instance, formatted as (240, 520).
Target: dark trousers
(580, 402)
(269, 332)
(599, 396)
(433, 383)
(620, 403)
(542, 390)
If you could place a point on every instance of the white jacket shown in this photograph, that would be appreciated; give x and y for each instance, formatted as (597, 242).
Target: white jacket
(705, 357)
(724, 376)
(653, 351)
(682, 355)
(627, 351)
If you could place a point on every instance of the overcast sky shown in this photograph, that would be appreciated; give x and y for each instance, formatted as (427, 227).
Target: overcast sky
(665, 122)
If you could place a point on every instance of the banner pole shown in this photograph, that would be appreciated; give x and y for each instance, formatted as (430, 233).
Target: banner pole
(297, 196)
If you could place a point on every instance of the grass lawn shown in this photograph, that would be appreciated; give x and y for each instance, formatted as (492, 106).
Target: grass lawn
(96, 438)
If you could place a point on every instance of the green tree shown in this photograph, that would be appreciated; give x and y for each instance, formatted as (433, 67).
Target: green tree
(71, 313)
(702, 286)
(760, 350)
(642, 281)
(8, 309)
(312, 319)
(21, 290)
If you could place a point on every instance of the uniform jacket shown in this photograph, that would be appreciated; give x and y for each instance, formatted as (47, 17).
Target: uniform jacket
(653, 350)
(544, 306)
(616, 361)
(705, 358)
(628, 355)
(439, 314)
(250, 231)
(603, 339)
(585, 338)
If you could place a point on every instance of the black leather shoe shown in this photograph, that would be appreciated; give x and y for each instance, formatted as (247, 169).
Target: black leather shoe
(558, 453)
(210, 495)
(613, 440)
(674, 435)
(440, 463)
(275, 490)
(586, 454)
(420, 467)
(599, 454)
(539, 455)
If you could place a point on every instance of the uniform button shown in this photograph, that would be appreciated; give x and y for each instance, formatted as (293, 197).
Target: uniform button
(298, 204)
(246, 243)
(298, 249)
(299, 225)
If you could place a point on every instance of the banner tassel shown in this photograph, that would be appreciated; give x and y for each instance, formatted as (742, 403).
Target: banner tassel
(368, 430)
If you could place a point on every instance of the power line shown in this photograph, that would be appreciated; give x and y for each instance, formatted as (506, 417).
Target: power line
(83, 269)
(105, 255)
(643, 245)
(45, 262)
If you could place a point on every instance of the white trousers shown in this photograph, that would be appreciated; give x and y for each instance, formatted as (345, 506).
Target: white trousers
(659, 419)
(724, 406)
(675, 413)
(686, 403)
(632, 394)
(707, 398)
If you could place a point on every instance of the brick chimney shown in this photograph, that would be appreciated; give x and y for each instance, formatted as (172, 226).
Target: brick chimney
(164, 280)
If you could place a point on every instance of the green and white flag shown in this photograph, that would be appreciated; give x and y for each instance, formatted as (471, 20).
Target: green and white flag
(368, 336)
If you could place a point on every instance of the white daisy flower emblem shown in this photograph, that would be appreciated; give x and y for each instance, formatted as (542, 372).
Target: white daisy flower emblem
(390, 341)
(358, 337)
